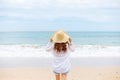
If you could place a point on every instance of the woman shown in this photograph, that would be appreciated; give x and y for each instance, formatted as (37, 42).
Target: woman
(60, 45)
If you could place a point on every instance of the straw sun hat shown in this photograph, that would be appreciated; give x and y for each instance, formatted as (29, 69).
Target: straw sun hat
(60, 37)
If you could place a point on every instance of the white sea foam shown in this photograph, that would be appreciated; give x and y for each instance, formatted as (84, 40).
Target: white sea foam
(27, 50)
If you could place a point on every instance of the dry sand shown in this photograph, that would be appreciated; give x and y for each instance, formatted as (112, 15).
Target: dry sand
(76, 73)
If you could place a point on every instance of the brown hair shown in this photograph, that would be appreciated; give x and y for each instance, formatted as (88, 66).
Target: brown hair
(60, 47)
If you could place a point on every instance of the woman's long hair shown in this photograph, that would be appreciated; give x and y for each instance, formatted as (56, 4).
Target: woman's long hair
(60, 47)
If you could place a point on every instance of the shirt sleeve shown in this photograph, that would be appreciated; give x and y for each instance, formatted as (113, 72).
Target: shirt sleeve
(49, 46)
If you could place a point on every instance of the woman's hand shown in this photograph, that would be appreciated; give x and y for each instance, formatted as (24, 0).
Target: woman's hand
(51, 40)
(70, 40)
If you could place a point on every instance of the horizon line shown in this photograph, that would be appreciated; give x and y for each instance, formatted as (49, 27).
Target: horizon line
(56, 30)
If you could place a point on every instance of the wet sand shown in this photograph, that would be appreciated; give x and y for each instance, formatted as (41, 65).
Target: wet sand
(7, 62)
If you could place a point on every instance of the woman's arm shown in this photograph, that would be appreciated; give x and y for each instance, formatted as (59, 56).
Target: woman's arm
(49, 46)
(71, 45)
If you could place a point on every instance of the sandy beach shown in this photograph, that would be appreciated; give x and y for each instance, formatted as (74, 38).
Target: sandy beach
(31, 62)
(76, 73)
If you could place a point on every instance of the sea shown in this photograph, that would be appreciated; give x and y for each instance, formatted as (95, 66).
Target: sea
(29, 48)
(41, 38)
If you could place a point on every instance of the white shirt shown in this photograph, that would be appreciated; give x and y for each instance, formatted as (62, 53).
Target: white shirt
(61, 63)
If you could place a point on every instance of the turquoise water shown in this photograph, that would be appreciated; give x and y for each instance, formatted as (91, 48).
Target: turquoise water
(41, 38)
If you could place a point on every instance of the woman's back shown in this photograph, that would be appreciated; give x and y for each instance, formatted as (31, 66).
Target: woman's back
(61, 46)
(61, 61)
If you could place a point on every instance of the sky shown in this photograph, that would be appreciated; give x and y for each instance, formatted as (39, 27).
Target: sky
(51, 15)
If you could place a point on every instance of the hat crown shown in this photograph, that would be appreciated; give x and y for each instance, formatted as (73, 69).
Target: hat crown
(60, 36)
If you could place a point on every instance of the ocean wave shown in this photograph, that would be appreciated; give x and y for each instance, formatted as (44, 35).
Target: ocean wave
(28, 50)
